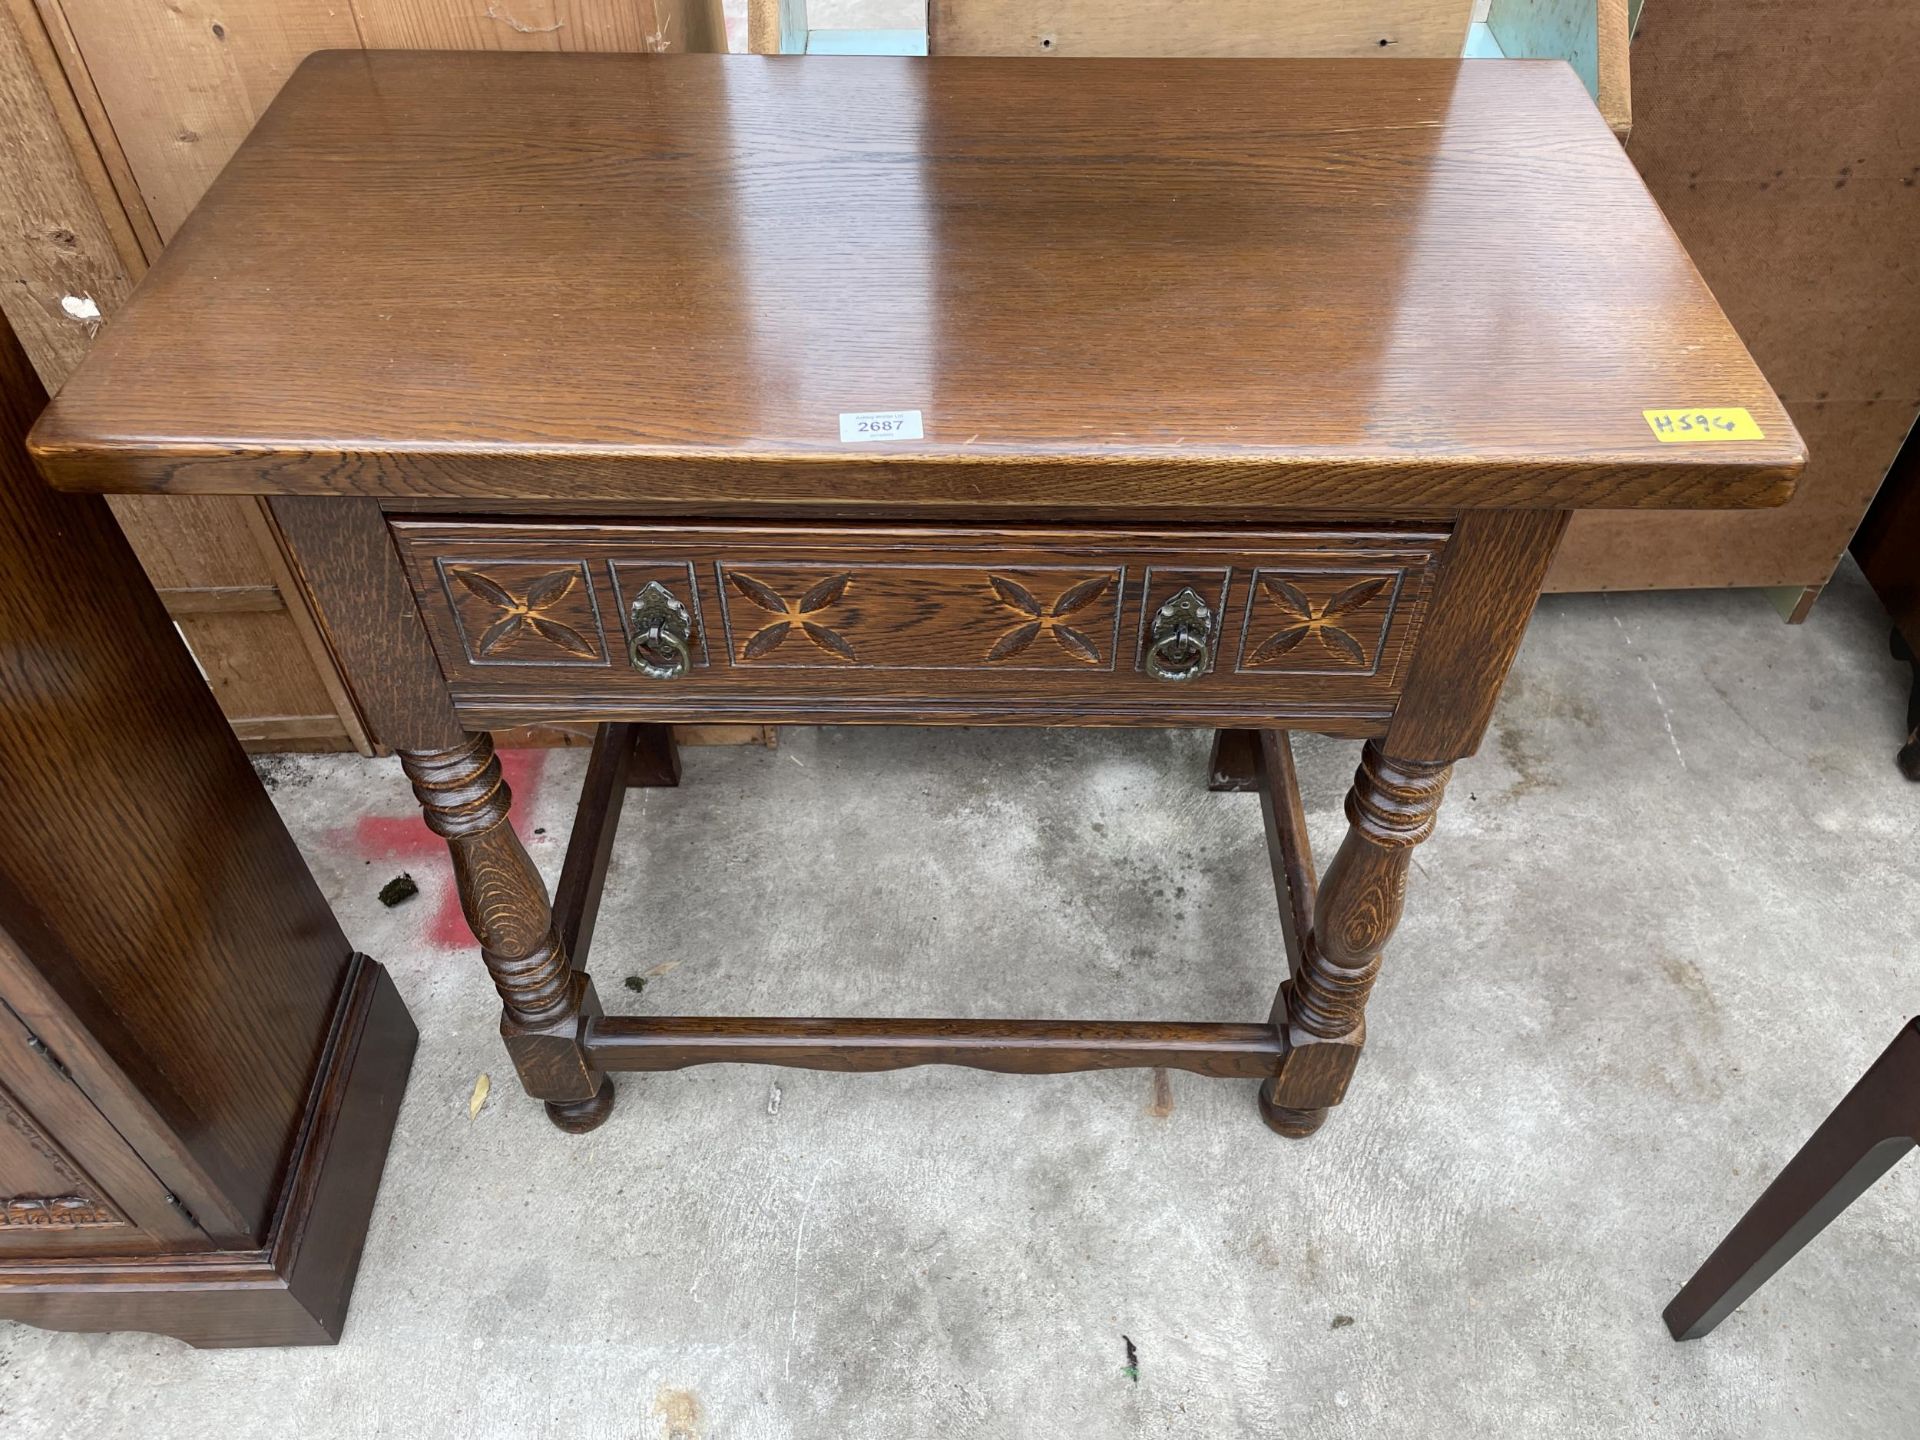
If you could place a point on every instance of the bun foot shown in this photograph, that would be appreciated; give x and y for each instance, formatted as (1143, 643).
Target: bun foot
(1287, 1121)
(577, 1117)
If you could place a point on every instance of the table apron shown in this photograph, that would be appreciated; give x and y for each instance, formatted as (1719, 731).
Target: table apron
(538, 622)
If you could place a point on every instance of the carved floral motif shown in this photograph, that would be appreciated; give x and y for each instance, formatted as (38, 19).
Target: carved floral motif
(1047, 620)
(526, 613)
(1326, 623)
(793, 615)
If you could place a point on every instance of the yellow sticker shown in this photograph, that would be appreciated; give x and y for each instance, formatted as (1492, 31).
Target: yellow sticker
(1701, 427)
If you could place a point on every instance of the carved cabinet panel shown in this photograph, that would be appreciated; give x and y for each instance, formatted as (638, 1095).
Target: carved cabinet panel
(40, 1186)
(69, 1184)
(537, 619)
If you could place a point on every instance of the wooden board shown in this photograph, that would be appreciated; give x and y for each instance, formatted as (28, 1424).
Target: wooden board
(655, 26)
(89, 131)
(119, 115)
(1255, 262)
(1402, 28)
(1590, 35)
(61, 250)
(184, 82)
(72, 257)
(1787, 167)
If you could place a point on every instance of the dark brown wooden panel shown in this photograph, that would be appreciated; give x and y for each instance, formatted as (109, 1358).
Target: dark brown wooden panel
(293, 1288)
(1307, 623)
(1486, 593)
(69, 1183)
(1020, 1047)
(41, 1188)
(184, 963)
(342, 554)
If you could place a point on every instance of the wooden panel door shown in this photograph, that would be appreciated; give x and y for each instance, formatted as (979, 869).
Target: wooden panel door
(69, 1184)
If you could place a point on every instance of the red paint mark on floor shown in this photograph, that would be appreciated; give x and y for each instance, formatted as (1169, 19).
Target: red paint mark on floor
(405, 839)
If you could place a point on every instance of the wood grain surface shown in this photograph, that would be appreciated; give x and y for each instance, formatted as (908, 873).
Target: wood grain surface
(1020, 1047)
(69, 241)
(1482, 603)
(197, 962)
(1380, 28)
(1787, 169)
(293, 1287)
(1156, 287)
(465, 801)
(70, 1183)
(343, 555)
(60, 240)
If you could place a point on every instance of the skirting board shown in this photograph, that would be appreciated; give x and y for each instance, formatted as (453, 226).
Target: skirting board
(295, 1290)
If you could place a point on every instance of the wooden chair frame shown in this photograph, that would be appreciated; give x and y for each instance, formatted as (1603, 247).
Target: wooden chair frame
(1867, 1134)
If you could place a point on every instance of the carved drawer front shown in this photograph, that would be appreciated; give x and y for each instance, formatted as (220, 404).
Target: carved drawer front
(534, 619)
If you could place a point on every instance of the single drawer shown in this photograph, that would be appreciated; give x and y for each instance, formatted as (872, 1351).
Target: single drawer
(539, 620)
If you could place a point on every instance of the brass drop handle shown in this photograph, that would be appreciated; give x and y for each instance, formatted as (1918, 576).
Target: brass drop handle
(662, 633)
(1182, 639)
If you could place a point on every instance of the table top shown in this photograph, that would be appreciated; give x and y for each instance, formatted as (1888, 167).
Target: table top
(1204, 287)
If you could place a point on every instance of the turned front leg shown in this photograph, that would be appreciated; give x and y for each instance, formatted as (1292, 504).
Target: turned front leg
(466, 801)
(1390, 809)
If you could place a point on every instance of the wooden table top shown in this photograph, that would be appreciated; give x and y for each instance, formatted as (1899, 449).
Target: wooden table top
(1160, 287)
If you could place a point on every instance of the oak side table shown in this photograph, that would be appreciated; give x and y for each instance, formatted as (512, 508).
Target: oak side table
(1243, 394)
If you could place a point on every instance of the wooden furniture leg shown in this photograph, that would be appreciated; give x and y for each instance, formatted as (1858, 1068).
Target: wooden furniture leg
(1908, 758)
(547, 1001)
(625, 756)
(656, 758)
(1288, 849)
(1485, 595)
(1231, 769)
(1321, 1008)
(1867, 1133)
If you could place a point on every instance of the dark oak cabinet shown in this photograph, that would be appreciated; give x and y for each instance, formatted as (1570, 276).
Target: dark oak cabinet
(198, 1077)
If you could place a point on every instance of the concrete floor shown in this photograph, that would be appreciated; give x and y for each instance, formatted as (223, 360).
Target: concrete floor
(1669, 916)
